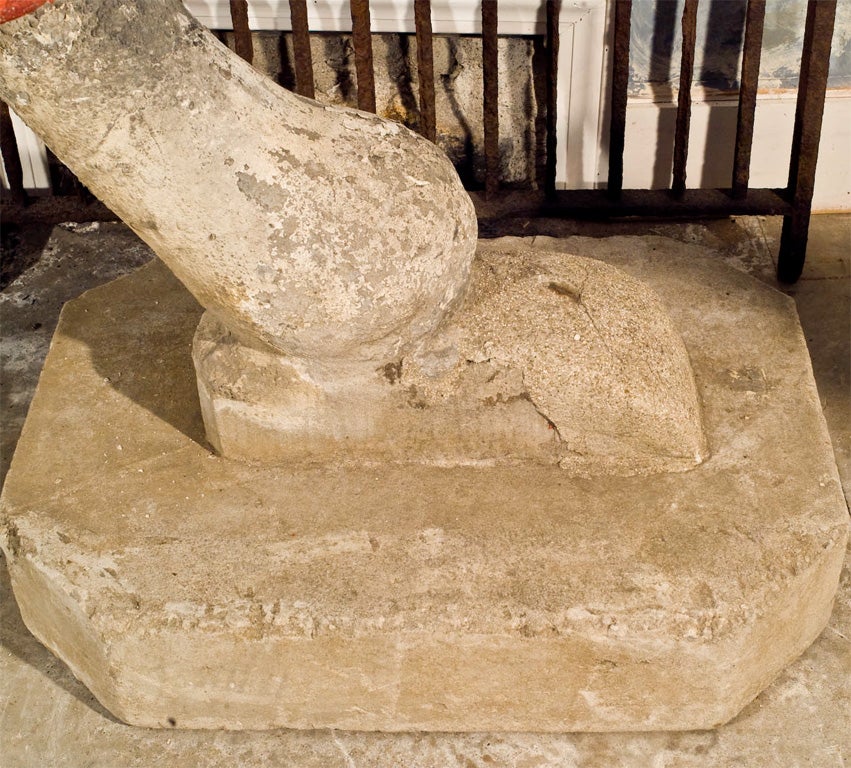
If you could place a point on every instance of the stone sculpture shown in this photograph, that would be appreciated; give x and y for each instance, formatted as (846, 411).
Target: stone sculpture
(403, 542)
(332, 250)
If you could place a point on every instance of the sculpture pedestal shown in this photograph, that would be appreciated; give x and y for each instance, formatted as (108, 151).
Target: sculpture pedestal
(553, 359)
(193, 591)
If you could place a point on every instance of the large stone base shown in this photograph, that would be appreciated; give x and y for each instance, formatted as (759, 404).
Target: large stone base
(193, 591)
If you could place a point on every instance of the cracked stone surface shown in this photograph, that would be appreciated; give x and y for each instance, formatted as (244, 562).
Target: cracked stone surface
(50, 718)
(400, 595)
(321, 231)
(341, 243)
(552, 359)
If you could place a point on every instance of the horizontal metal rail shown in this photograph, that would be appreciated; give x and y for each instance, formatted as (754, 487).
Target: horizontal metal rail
(500, 215)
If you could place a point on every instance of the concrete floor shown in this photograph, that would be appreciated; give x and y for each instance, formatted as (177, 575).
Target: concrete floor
(49, 719)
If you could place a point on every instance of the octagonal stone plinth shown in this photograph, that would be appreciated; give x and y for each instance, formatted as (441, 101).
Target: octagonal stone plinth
(193, 591)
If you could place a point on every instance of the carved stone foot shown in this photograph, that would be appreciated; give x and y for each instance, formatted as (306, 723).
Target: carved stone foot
(552, 359)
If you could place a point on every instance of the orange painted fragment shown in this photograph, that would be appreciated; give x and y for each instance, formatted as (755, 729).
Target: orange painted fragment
(12, 9)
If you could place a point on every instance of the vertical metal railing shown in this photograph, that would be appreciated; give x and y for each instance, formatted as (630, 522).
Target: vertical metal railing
(689, 30)
(490, 94)
(362, 42)
(620, 82)
(553, 10)
(425, 68)
(751, 54)
(242, 43)
(302, 57)
(794, 202)
(812, 87)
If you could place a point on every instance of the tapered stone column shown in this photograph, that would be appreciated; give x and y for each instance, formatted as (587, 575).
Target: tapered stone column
(319, 232)
(325, 239)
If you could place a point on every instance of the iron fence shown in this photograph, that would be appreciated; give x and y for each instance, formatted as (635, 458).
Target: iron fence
(500, 209)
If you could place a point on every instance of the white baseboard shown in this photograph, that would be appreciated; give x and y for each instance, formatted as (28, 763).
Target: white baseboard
(650, 140)
(448, 17)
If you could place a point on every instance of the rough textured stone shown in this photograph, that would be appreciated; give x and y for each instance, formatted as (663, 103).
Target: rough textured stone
(50, 718)
(552, 359)
(416, 598)
(591, 348)
(323, 232)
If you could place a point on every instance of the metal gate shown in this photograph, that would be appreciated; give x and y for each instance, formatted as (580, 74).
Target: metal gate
(500, 209)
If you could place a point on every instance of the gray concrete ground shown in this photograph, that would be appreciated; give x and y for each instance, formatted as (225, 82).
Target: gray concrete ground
(47, 718)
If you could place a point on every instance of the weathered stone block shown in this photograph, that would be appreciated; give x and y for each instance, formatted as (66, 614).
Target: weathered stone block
(186, 589)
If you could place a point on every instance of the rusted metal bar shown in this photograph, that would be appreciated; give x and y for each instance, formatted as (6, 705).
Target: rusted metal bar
(519, 212)
(11, 159)
(747, 96)
(362, 40)
(553, 11)
(301, 49)
(242, 44)
(620, 80)
(490, 77)
(812, 85)
(689, 27)
(425, 68)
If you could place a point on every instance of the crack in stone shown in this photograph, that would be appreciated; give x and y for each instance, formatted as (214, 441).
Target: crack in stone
(525, 395)
(576, 296)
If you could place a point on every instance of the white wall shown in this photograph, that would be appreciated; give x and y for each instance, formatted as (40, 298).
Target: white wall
(648, 151)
